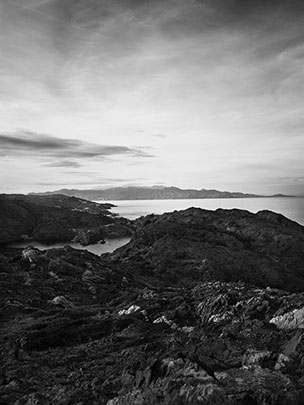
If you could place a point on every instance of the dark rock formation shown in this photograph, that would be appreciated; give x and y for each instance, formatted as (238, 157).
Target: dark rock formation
(91, 237)
(56, 218)
(264, 249)
(120, 329)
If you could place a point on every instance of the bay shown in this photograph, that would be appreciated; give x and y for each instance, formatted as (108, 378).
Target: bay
(97, 249)
(290, 207)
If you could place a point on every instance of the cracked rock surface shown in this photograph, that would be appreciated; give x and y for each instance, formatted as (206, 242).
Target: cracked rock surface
(200, 307)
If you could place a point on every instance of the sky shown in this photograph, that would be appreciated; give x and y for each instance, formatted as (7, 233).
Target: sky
(190, 93)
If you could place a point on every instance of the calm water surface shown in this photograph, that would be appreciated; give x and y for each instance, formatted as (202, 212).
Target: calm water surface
(98, 248)
(290, 207)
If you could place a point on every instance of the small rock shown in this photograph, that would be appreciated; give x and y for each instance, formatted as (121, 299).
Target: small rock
(131, 310)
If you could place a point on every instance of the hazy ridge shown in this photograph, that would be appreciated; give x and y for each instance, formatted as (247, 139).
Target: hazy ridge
(152, 193)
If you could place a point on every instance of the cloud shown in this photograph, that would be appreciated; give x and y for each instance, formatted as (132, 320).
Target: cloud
(96, 183)
(222, 79)
(162, 136)
(299, 179)
(64, 163)
(26, 143)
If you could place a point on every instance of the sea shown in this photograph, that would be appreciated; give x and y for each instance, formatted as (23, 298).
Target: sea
(290, 207)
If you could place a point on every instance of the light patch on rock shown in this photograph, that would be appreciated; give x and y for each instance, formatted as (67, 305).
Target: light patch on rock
(282, 361)
(164, 319)
(217, 318)
(62, 300)
(291, 320)
(188, 329)
(30, 254)
(131, 310)
(254, 357)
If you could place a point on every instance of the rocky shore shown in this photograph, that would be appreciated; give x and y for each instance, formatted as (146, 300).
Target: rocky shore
(58, 218)
(200, 307)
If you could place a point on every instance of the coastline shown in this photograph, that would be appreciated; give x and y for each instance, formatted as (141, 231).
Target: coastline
(210, 301)
(291, 207)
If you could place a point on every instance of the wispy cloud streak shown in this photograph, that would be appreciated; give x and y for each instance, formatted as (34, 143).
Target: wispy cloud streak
(27, 143)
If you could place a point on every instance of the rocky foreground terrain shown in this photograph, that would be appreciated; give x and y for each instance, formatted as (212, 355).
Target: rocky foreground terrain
(200, 307)
(57, 218)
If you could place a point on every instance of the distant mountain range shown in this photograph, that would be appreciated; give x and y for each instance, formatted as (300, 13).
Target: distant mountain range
(151, 193)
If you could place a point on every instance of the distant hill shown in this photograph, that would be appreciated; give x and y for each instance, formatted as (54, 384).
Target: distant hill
(150, 193)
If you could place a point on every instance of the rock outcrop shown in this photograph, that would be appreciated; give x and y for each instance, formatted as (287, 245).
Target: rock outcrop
(121, 330)
(57, 218)
(183, 247)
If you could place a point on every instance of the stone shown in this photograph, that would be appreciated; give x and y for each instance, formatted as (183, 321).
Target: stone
(291, 320)
(131, 310)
